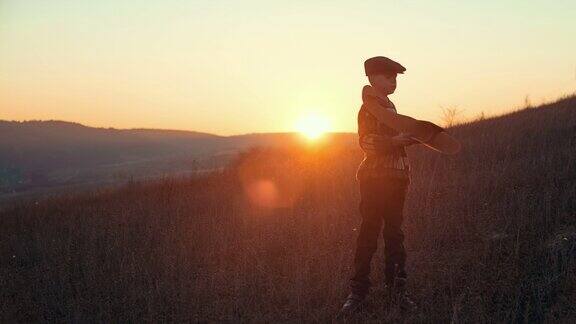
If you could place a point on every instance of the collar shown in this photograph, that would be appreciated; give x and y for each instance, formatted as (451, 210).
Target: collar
(381, 96)
(369, 91)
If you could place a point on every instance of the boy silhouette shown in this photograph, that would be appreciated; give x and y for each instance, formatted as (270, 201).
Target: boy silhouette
(383, 177)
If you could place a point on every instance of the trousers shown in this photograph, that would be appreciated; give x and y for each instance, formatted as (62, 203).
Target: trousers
(381, 208)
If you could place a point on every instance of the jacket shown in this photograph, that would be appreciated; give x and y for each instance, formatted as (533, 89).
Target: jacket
(381, 158)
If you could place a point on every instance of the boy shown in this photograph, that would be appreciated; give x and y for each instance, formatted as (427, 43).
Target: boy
(384, 177)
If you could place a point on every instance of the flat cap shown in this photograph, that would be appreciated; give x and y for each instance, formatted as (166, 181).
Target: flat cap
(382, 65)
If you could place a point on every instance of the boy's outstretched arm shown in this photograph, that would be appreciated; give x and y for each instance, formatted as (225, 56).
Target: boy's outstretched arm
(423, 130)
(371, 142)
(384, 144)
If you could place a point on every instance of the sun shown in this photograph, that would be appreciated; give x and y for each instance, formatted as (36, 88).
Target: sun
(313, 126)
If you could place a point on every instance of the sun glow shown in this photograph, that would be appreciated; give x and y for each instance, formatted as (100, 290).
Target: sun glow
(312, 126)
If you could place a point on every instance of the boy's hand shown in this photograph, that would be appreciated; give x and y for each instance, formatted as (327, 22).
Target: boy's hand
(403, 139)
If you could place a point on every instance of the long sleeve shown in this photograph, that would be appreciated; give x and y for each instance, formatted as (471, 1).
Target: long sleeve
(370, 141)
(378, 144)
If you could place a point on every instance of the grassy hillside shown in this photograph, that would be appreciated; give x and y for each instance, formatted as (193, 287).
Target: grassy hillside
(491, 237)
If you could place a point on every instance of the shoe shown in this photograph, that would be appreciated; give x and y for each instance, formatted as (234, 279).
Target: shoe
(351, 305)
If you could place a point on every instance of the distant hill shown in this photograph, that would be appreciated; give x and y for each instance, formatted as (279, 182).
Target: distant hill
(49, 154)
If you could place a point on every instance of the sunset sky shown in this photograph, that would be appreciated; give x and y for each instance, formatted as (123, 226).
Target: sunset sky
(231, 67)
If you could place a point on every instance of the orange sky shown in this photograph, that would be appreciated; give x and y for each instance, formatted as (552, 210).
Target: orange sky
(231, 67)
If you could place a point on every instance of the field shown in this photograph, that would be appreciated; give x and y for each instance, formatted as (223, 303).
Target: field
(490, 235)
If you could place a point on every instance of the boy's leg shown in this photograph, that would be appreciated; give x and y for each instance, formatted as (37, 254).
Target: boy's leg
(367, 240)
(394, 251)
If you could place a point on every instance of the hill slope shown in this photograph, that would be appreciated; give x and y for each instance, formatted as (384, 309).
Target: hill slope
(490, 234)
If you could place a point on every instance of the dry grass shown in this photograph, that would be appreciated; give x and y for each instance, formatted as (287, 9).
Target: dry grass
(491, 237)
